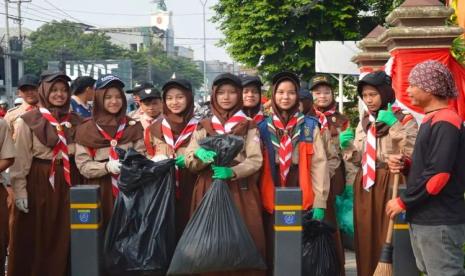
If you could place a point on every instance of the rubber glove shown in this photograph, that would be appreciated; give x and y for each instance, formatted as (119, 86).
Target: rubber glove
(346, 137)
(224, 173)
(206, 156)
(318, 213)
(181, 161)
(113, 166)
(21, 204)
(387, 116)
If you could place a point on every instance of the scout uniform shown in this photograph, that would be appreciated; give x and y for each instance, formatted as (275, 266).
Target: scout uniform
(243, 186)
(370, 220)
(41, 179)
(7, 151)
(97, 138)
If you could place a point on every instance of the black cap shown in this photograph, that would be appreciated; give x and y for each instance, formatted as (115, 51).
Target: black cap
(227, 77)
(376, 79)
(81, 83)
(304, 94)
(49, 76)
(28, 80)
(185, 84)
(285, 75)
(108, 79)
(139, 87)
(251, 80)
(149, 93)
(319, 79)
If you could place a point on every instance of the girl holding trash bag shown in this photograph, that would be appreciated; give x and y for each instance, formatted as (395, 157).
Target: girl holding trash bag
(98, 136)
(335, 170)
(228, 118)
(41, 178)
(383, 130)
(170, 137)
(294, 155)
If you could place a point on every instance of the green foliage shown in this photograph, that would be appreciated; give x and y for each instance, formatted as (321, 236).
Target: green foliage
(275, 35)
(69, 41)
(458, 49)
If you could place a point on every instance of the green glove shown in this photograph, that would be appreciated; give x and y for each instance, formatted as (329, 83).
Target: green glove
(181, 161)
(206, 156)
(224, 173)
(346, 137)
(318, 213)
(387, 116)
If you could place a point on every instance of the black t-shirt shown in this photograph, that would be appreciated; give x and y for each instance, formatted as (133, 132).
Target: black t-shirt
(436, 182)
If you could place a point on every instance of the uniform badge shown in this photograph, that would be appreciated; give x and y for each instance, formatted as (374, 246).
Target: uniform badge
(333, 119)
(306, 131)
(132, 123)
(68, 125)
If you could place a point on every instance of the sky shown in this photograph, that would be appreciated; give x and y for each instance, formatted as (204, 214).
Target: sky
(187, 18)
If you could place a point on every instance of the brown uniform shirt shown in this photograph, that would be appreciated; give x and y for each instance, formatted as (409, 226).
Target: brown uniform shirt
(13, 114)
(399, 140)
(94, 166)
(249, 160)
(7, 147)
(28, 146)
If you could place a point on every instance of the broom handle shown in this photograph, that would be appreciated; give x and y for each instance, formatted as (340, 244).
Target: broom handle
(391, 221)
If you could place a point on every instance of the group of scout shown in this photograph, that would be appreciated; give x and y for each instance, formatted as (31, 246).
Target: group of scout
(304, 142)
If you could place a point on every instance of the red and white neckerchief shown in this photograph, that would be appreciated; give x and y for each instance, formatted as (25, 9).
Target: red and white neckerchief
(61, 146)
(230, 124)
(174, 145)
(113, 155)
(258, 117)
(323, 117)
(285, 145)
(369, 155)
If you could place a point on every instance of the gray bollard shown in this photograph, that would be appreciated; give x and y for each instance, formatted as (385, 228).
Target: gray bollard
(288, 232)
(403, 258)
(86, 236)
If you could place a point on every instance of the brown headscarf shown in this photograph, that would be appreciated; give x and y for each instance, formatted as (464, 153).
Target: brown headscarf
(285, 115)
(224, 115)
(42, 129)
(87, 133)
(177, 121)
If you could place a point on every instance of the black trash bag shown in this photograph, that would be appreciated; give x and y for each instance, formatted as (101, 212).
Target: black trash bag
(319, 257)
(140, 236)
(216, 238)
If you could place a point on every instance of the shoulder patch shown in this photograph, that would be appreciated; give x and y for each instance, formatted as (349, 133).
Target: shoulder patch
(447, 115)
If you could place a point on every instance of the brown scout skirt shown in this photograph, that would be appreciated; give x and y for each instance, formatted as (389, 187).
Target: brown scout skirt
(183, 203)
(370, 220)
(41, 237)
(3, 228)
(107, 199)
(248, 203)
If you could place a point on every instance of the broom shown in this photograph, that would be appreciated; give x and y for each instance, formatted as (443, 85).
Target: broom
(384, 267)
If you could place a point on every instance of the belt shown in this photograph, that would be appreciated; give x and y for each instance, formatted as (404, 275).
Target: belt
(382, 165)
(57, 161)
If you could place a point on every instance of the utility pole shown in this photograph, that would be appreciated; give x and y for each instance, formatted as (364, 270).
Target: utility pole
(20, 36)
(205, 84)
(7, 59)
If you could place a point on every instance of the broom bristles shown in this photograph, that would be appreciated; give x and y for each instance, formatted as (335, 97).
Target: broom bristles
(383, 269)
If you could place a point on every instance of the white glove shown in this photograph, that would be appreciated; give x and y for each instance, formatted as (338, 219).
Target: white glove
(113, 166)
(159, 157)
(21, 204)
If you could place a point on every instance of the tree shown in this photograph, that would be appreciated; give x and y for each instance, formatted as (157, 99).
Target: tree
(66, 41)
(69, 41)
(275, 35)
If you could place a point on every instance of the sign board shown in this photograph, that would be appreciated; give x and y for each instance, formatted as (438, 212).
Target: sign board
(334, 57)
(96, 68)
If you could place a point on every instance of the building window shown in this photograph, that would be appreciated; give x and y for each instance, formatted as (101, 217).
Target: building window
(133, 46)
